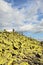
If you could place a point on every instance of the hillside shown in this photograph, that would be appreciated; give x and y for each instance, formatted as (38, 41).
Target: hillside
(17, 49)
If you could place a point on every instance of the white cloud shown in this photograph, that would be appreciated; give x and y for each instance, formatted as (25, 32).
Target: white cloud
(8, 14)
(27, 27)
(14, 18)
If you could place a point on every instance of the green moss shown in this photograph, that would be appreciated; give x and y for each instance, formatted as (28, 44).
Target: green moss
(17, 49)
(24, 63)
(2, 60)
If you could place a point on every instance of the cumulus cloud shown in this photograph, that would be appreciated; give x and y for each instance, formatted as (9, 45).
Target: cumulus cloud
(24, 19)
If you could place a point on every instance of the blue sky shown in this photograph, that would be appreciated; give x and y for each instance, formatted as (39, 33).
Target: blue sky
(22, 15)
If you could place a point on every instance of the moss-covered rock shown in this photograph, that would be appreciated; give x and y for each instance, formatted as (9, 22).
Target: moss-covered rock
(17, 49)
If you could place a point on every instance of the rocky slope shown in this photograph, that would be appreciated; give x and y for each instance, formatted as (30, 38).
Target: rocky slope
(17, 49)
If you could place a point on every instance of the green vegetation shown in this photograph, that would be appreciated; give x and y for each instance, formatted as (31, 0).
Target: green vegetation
(17, 49)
